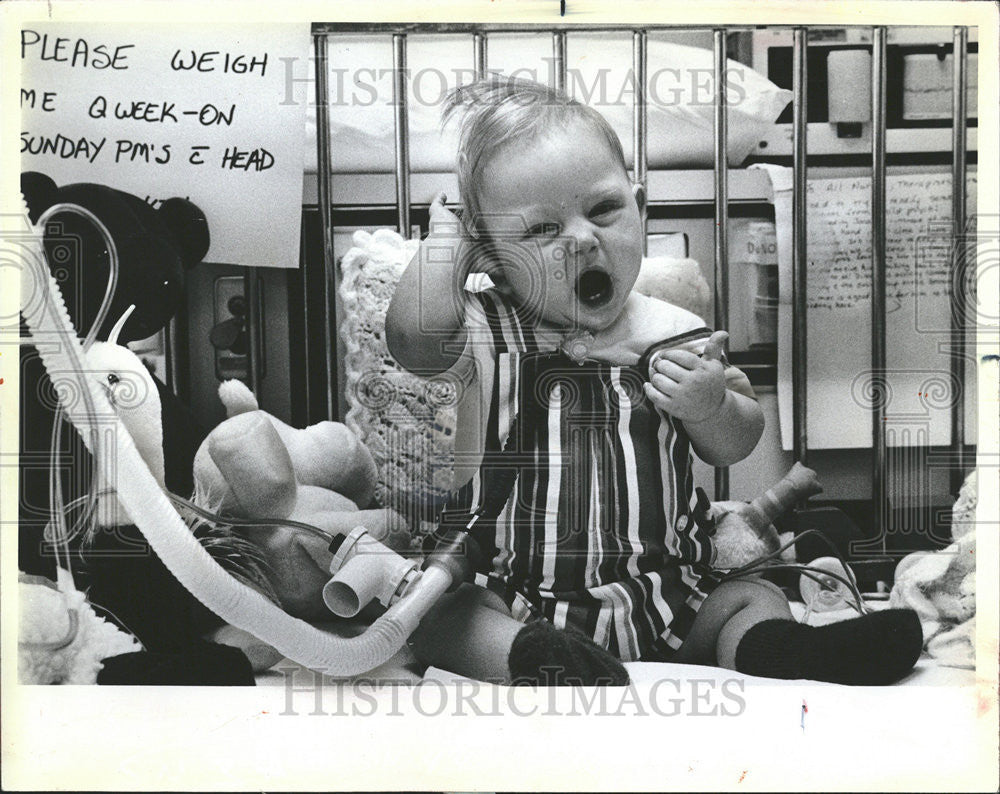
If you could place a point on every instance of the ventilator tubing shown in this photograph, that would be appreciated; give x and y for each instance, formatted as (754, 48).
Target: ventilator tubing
(115, 454)
(364, 570)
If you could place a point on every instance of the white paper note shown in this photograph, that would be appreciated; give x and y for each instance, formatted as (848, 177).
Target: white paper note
(918, 313)
(174, 110)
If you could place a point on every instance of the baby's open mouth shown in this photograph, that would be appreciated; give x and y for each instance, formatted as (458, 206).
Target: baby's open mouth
(594, 288)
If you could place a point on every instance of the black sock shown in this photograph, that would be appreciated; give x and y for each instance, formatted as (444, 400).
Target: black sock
(871, 650)
(543, 655)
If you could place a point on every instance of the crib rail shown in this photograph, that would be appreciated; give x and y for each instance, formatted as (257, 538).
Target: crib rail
(323, 159)
(879, 374)
(479, 33)
(401, 108)
(959, 172)
(328, 28)
(800, 261)
(640, 134)
(721, 131)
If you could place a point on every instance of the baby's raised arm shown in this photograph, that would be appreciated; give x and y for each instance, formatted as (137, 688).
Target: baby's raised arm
(424, 327)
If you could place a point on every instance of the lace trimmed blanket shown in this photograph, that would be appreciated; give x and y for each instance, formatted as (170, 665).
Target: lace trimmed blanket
(407, 422)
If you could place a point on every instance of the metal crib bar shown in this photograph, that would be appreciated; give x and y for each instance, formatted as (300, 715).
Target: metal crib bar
(640, 131)
(960, 250)
(800, 264)
(721, 128)
(400, 106)
(479, 54)
(509, 27)
(251, 288)
(559, 60)
(323, 160)
(878, 343)
(308, 344)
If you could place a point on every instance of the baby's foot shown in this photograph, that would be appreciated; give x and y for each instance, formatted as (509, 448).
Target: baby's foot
(872, 650)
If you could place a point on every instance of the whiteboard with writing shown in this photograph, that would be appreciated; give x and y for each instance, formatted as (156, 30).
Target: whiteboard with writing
(840, 384)
(210, 113)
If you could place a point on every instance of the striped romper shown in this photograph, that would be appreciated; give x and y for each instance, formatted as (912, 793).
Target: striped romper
(596, 532)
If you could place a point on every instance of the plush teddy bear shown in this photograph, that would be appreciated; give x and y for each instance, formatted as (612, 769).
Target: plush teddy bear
(155, 247)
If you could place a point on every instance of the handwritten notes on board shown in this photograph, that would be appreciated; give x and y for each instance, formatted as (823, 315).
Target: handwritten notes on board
(840, 241)
(840, 384)
(213, 114)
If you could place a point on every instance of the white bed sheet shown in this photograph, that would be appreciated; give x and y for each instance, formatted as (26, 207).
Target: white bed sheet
(403, 669)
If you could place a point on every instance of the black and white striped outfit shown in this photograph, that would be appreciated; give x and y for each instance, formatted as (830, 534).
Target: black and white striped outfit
(596, 532)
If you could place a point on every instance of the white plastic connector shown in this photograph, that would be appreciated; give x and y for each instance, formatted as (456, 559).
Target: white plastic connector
(364, 570)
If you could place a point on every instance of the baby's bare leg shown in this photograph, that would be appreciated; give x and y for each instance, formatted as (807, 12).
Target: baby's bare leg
(469, 632)
(730, 609)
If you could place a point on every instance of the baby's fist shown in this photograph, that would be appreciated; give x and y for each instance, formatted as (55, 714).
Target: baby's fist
(442, 220)
(687, 386)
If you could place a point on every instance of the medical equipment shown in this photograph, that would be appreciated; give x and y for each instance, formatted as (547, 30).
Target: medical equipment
(114, 451)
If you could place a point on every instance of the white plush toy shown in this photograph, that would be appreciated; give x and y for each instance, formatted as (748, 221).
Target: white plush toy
(676, 281)
(61, 640)
(743, 530)
(254, 466)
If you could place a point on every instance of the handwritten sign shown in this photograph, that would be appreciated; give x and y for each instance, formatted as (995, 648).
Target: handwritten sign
(840, 241)
(918, 313)
(213, 114)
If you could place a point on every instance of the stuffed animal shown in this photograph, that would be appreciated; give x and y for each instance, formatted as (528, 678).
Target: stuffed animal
(154, 247)
(326, 455)
(676, 281)
(134, 396)
(246, 469)
(60, 639)
(253, 466)
(743, 531)
(122, 575)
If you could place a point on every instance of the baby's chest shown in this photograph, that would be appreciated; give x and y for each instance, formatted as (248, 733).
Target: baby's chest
(548, 391)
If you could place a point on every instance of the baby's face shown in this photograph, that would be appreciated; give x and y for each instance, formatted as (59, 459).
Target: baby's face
(565, 227)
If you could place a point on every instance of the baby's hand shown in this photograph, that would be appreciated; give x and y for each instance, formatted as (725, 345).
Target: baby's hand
(442, 220)
(689, 386)
(447, 229)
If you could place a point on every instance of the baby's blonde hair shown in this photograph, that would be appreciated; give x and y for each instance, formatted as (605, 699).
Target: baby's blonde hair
(498, 110)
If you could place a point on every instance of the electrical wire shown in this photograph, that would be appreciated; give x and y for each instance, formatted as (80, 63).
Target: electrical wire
(765, 564)
(811, 572)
